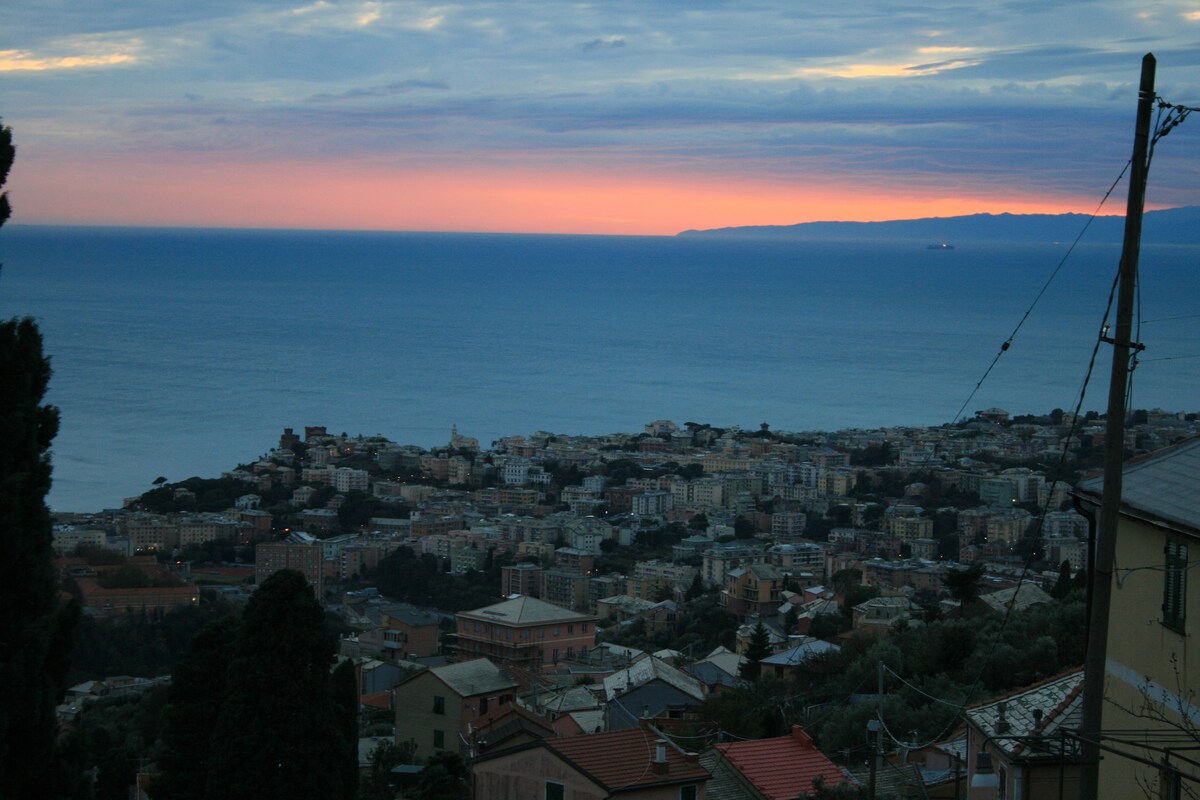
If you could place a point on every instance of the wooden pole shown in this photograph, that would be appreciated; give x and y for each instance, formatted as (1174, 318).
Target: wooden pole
(1114, 448)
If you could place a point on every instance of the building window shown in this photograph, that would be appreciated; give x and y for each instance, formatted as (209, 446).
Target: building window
(687, 792)
(571, 628)
(439, 740)
(556, 630)
(1175, 585)
(483, 705)
(439, 704)
(555, 791)
(583, 627)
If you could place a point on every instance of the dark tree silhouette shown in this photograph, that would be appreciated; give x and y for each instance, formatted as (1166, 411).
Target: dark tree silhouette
(964, 584)
(758, 648)
(278, 734)
(197, 686)
(34, 628)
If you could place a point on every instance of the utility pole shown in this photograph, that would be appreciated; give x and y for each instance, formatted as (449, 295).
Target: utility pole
(877, 756)
(1114, 448)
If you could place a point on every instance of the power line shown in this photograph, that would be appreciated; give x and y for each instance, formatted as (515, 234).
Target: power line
(1008, 342)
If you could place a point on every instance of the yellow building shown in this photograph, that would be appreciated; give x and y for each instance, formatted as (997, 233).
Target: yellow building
(1151, 709)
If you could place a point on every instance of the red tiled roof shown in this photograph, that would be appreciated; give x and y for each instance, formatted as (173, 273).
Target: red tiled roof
(625, 759)
(784, 767)
(377, 699)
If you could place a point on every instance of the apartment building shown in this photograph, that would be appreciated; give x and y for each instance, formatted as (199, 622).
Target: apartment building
(525, 632)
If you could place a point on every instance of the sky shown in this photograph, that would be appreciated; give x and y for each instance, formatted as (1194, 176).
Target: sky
(613, 117)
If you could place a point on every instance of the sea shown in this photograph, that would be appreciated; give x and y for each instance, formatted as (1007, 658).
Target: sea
(181, 352)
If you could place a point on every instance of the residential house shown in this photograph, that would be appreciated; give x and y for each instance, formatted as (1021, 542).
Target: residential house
(787, 663)
(882, 614)
(437, 709)
(650, 688)
(752, 591)
(634, 764)
(1024, 733)
(410, 632)
(1153, 646)
(509, 726)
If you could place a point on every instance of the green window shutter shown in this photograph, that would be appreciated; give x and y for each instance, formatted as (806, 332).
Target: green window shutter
(1175, 584)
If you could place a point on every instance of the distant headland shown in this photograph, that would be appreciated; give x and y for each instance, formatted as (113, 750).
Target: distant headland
(1169, 226)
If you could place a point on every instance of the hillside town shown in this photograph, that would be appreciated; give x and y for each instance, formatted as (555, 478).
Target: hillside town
(687, 611)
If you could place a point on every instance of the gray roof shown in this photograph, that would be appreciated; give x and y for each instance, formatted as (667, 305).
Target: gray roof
(1039, 710)
(647, 670)
(522, 610)
(410, 615)
(1019, 597)
(710, 675)
(802, 651)
(469, 678)
(1163, 484)
(726, 782)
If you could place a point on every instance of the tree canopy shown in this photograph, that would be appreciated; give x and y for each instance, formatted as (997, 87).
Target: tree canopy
(258, 713)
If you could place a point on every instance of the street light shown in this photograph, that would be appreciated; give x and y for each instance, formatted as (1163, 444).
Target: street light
(985, 777)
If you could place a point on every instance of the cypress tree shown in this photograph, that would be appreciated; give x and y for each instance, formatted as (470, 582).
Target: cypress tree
(344, 689)
(1062, 586)
(278, 735)
(34, 629)
(194, 707)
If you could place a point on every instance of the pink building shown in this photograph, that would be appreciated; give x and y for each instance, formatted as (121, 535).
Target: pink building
(524, 632)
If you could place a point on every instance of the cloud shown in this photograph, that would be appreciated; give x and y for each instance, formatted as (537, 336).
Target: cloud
(929, 92)
(24, 61)
(390, 90)
(603, 44)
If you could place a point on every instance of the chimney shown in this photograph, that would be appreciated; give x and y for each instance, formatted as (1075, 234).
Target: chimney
(1002, 725)
(1037, 717)
(660, 765)
(802, 738)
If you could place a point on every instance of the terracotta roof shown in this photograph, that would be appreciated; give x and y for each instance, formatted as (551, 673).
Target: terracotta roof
(625, 759)
(783, 767)
(377, 699)
(507, 721)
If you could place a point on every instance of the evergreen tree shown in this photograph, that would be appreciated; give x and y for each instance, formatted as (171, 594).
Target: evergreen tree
(34, 629)
(278, 734)
(758, 648)
(197, 687)
(1062, 586)
(445, 777)
(790, 619)
(344, 696)
(964, 584)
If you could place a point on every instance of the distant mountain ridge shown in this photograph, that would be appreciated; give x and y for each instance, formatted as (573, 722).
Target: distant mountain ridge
(1169, 226)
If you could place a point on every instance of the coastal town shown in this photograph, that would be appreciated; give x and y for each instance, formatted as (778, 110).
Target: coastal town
(685, 611)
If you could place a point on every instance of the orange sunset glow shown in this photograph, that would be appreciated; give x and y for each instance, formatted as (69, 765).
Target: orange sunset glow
(353, 198)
